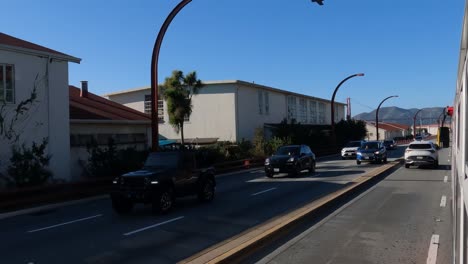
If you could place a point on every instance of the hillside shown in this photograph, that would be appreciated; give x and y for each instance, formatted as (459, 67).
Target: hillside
(394, 114)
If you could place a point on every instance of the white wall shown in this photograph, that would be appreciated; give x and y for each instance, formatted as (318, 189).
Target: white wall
(49, 115)
(213, 115)
(248, 109)
(133, 99)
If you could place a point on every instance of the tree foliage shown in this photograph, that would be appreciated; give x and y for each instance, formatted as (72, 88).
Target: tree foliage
(178, 91)
(29, 165)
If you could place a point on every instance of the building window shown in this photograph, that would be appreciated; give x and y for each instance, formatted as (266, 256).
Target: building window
(291, 107)
(302, 110)
(7, 83)
(160, 107)
(260, 102)
(312, 112)
(186, 118)
(321, 113)
(147, 104)
(267, 103)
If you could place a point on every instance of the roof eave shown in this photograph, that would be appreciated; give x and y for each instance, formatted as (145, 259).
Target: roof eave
(63, 57)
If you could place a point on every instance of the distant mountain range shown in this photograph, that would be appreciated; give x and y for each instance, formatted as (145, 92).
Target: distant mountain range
(398, 115)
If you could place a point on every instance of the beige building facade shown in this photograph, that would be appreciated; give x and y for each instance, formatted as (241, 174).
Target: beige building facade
(232, 110)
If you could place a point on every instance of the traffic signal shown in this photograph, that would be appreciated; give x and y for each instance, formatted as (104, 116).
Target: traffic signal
(449, 110)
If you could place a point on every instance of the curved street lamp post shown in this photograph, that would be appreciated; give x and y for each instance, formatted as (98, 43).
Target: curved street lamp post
(377, 115)
(333, 104)
(414, 122)
(154, 71)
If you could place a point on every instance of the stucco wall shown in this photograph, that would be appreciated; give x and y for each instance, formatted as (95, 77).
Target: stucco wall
(133, 100)
(213, 115)
(249, 113)
(48, 116)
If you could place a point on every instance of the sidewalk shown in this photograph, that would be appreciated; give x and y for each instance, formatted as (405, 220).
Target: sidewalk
(405, 218)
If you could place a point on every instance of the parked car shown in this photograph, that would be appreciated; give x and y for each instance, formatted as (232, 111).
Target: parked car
(292, 159)
(371, 151)
(389, 144)
(165, 176)
(421, 153)
(350, 149)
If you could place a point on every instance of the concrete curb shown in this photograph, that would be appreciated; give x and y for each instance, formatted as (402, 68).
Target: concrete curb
(234, 249)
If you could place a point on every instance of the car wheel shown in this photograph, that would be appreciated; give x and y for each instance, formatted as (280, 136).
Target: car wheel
(385, 160)
(407, 166)
(164, 200)
(207, 191)
(312, 167)
(122, 205)
(297, 170)
(358, 162)
(436, 164)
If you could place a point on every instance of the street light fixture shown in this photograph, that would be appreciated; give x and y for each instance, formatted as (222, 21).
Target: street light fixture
(377, 115)
(333, 104)
(154, 71)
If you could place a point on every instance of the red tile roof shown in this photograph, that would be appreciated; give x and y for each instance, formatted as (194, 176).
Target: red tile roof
(16, 42)
(98, 108)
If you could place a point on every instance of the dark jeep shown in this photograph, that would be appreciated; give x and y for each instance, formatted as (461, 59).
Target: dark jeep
(165, 175)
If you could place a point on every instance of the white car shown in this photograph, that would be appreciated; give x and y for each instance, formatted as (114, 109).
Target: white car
(350, 149)
(421, 153)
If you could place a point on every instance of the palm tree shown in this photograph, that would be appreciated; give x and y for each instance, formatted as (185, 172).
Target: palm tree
(178, 91)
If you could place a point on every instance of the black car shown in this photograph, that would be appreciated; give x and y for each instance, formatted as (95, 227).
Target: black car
(165, 175)
(371, 151)
(389, 144)
(291, 159)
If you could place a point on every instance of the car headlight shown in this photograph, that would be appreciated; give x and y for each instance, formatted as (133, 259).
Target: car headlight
(267, 162)
(376, 153)
(358, 153)
(116, 180)
(291, 159)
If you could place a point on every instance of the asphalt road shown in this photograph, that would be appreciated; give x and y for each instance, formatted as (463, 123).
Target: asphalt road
(91, 232)
(393, 222)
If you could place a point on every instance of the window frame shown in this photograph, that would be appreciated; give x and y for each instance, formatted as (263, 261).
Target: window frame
(4, 83)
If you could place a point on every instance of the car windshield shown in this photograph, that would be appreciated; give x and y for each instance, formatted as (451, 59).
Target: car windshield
(353, 144)
(162, 160)
(420, 146)
(370, 145)
(290, 150)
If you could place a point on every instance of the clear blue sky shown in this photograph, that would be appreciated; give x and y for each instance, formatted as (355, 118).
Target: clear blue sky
(408, 48)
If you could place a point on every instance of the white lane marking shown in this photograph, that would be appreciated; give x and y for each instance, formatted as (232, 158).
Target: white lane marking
(445, 179)
(257, 193)
(443, 201)
(433, 247)
(153, 226)
(66, 223)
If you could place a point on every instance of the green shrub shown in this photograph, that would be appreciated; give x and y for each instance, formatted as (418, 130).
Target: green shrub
(29, 165)
(110, 162)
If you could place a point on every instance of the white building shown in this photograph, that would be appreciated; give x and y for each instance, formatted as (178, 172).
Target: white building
(25, 66)
(232, 110)
(386, 130)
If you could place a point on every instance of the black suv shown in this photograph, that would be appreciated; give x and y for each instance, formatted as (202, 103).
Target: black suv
(165, 175)
(292, 159)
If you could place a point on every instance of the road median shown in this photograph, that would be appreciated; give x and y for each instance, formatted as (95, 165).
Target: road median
(235, 249)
